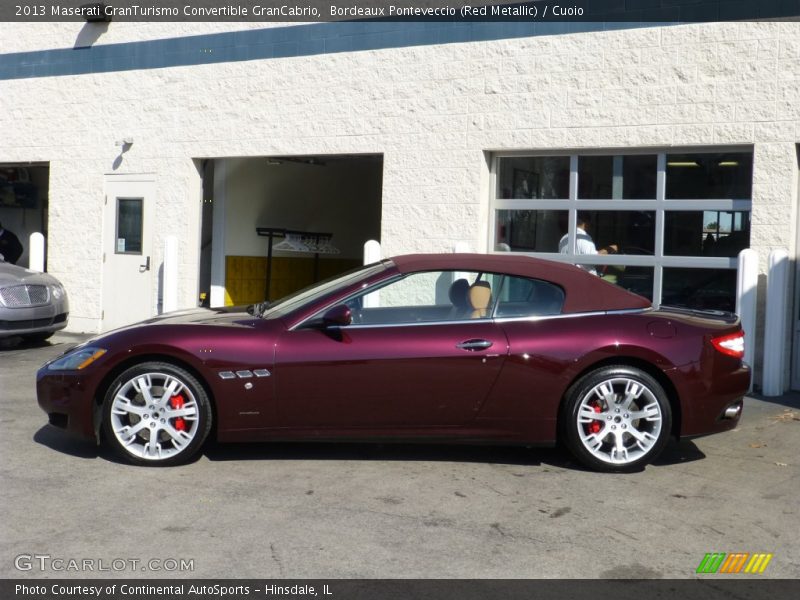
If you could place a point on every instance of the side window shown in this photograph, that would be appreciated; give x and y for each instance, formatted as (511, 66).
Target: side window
(427, 297)
(521, 297)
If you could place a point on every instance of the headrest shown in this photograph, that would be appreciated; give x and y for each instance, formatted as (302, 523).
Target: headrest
(458, 293)
(480, 294)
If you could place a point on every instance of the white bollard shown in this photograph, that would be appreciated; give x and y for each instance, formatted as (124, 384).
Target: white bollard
(746, 301)
(372, 252)
(218, 232)
(36, 252)
(170, 298)
(775, 324)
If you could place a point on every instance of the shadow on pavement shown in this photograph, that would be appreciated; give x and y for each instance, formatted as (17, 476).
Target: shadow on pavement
(19, 343)
(677, 453)
(509, 455)
(64, 443)
(16, 342)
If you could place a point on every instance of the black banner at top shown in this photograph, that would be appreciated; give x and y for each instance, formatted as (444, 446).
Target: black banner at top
(311, 11)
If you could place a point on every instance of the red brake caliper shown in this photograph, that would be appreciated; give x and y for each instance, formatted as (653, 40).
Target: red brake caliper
(594, 426)
(177, 402)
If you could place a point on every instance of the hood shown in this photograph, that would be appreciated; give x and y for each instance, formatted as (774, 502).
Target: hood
(12, 274)
(161, 330)
(229, 315)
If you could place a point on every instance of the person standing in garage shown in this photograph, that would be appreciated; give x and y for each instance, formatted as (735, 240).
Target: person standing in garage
(584, 244)
(10, 246)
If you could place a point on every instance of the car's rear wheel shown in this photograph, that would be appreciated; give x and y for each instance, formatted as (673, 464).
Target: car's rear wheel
(156, 414)
(616, 418)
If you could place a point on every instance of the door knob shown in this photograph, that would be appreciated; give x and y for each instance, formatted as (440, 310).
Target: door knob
(145, 266)
(473, 345)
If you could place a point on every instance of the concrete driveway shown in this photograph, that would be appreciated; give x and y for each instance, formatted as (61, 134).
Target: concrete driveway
(385, 511)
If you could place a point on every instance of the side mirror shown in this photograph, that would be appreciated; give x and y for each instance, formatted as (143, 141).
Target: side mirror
(338, 316)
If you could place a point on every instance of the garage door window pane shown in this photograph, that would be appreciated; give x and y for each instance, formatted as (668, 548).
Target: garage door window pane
(720, 176)
(700, 288)
(706, 233)
(638, 280)
(129, 226)
(530, 230)
(632, 232)
(529, 177)
(617, 177)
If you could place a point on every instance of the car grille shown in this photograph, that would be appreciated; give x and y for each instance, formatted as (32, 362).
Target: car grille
(19, 296)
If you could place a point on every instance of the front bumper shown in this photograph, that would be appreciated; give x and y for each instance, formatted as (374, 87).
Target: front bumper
(35, 319)
(66, 398)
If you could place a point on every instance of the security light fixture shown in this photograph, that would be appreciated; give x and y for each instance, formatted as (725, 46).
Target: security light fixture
(125, 143)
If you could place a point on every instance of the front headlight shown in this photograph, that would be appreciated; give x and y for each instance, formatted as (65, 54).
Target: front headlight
(77, 359)
(57, 291)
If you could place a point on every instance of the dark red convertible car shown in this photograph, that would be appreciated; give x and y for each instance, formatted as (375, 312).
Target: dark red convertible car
(458, 347)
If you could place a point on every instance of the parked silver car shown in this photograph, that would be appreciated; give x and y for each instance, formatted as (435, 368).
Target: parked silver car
(32, 305)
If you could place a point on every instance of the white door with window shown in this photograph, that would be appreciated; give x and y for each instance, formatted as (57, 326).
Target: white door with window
(127, 250)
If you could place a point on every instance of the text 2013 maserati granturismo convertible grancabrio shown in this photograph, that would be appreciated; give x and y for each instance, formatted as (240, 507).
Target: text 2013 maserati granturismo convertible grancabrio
(458, 347)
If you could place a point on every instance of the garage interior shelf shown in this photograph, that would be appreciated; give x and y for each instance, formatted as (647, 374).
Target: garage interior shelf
(315, 242)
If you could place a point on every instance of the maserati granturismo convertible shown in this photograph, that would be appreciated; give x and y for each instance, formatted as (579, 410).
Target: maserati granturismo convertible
(463, 348)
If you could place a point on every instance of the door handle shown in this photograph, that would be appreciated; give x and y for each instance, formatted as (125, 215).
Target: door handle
(145, 266)
(474, 345)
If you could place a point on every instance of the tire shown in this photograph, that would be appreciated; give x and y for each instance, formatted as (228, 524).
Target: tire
(156, 414)
(616, 418)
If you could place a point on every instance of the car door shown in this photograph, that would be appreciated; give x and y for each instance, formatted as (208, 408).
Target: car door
(542, 348)
(412, 359)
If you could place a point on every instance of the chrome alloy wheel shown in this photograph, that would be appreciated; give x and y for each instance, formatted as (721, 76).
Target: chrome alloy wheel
(619, 420)
(154, 416)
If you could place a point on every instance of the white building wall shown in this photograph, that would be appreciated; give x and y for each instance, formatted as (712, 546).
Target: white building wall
(432, 111)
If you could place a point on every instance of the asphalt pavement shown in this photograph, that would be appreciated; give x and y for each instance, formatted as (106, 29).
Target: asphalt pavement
(388, 511)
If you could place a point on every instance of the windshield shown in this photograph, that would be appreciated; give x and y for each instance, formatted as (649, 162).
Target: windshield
(314, 292)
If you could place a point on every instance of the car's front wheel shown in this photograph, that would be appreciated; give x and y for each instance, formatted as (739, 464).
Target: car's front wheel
(156, 413)
(616, 418)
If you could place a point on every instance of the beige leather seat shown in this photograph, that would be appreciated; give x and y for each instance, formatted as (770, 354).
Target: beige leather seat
(480, 296)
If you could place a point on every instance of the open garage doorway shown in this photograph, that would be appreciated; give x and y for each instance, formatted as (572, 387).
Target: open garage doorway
(318, 211)
(24, 193)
